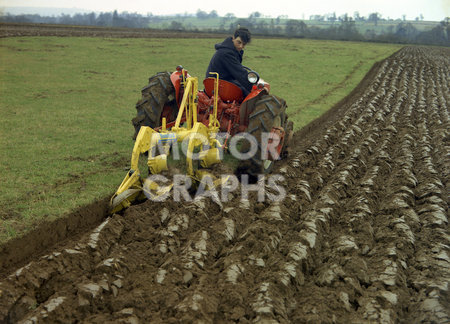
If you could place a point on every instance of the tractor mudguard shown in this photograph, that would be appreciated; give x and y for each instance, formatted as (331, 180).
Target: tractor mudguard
(177, 78)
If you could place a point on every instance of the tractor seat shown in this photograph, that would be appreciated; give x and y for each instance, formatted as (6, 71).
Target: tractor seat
(227, 91)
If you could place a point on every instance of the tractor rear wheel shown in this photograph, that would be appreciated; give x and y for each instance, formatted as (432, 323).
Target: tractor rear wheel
(269, 112)
(158, 101)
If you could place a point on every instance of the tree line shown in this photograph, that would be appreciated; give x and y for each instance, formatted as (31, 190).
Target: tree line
(341, 28)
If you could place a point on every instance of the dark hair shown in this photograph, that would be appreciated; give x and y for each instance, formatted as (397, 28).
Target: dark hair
(244, 34)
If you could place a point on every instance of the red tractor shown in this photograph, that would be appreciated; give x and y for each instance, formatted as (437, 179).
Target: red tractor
(256, 114)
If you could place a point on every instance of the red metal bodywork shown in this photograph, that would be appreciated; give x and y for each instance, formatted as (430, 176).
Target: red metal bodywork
(229, 103)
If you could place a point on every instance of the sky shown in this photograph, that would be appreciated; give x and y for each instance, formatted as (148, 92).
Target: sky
(435, 10)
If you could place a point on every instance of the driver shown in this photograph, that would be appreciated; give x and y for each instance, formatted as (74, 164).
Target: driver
(227, 60)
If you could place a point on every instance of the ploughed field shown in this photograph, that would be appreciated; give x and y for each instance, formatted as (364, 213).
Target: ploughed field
(362, 234)
(30, 29)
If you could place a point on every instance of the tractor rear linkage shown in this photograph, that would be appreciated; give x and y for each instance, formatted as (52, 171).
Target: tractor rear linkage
(198, 136)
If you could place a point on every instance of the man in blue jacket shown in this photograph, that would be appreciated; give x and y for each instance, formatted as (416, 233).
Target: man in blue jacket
(227, 61)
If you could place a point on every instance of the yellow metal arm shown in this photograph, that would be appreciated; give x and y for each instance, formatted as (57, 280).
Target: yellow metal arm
(142, 145)
(131, 186)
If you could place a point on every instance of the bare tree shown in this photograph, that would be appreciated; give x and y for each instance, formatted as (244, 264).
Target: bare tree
(374, 17)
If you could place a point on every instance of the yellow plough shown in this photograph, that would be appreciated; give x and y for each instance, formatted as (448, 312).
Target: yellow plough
(202, 145)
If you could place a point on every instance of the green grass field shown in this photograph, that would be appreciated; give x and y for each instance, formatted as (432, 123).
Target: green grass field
(66, 105)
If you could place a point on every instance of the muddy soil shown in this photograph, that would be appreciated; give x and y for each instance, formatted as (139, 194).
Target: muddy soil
(361, 236)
